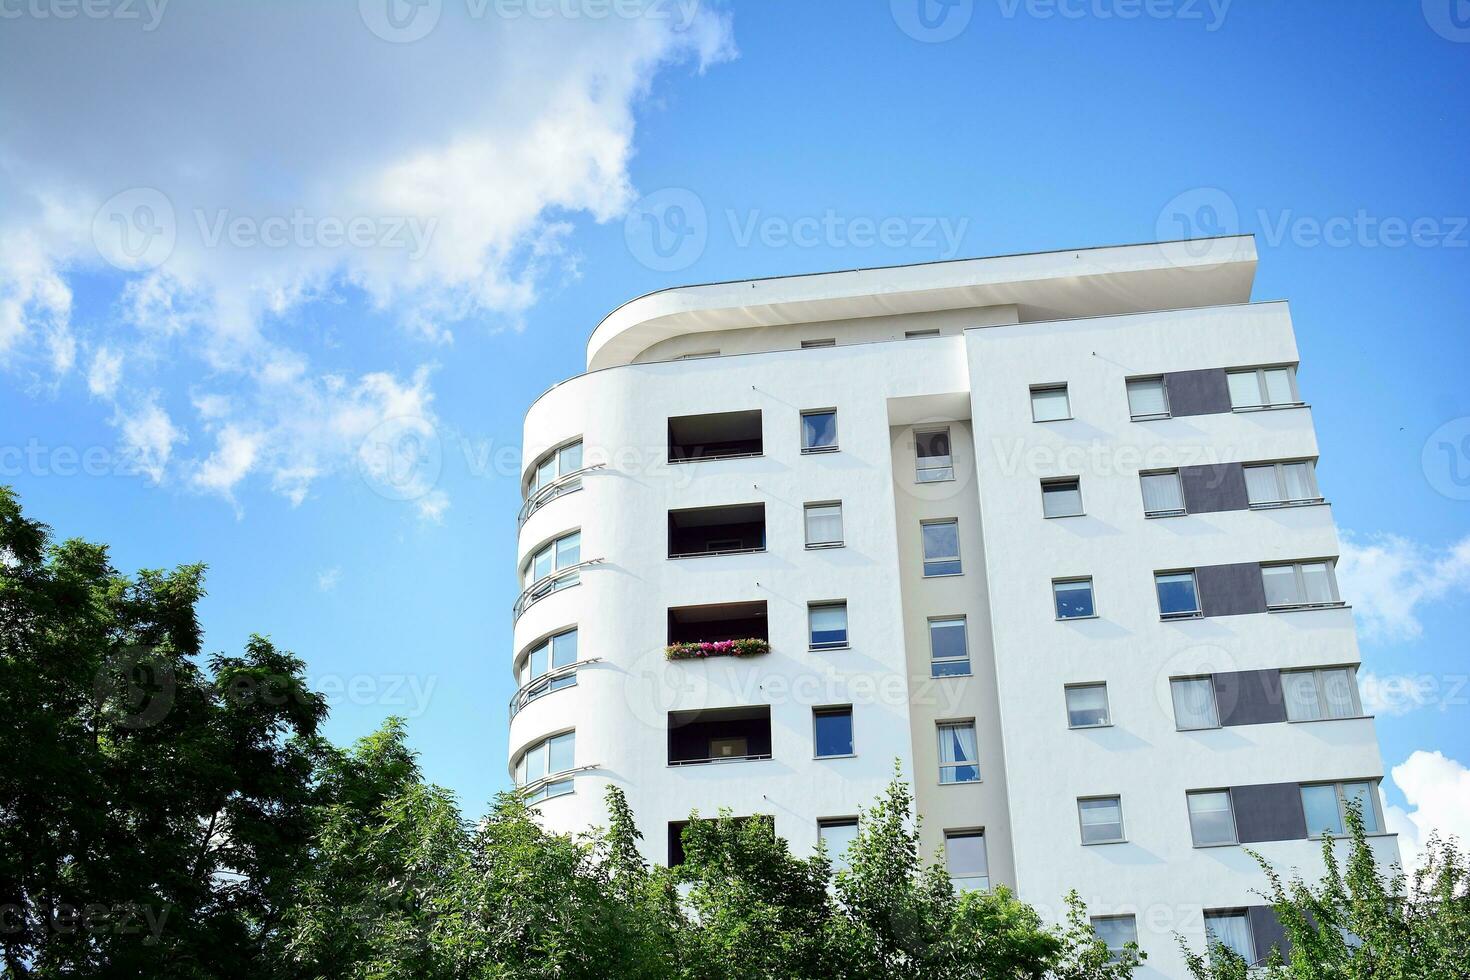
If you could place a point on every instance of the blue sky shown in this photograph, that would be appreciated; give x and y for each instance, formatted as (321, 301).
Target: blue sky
(226, 385)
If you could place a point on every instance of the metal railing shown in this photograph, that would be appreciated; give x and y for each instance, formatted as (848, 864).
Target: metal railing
(714, 554)
(561, 486)
(562, 578)
(752, 757)
(540, 686)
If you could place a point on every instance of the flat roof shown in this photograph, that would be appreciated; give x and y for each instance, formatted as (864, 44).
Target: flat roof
(1042, 285)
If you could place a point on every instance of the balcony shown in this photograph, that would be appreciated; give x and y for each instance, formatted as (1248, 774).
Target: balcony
(731, 530)
(713, 735)
(720, 435)
(717, 622)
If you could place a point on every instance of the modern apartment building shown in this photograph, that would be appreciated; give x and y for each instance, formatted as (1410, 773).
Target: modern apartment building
(1045, 529)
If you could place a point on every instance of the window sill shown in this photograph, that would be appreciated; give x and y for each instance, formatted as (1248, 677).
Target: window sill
(963, 782)
(823, 758)
(708, 459)
(1247, 409)
(1181, 616)
(817, 450)
(1069, 418)
(1211, 728)
(1154, 417)
(1075, 619)
(938, 479)
(1283, 504)
(1104, 843)
(943, 574)
(1307, 606)
(939, 677)
(1156, 515)
(1059, 517)
(828, 646)
(1207, 847)
(1318, 721)
(826, 545)
(1087, 728)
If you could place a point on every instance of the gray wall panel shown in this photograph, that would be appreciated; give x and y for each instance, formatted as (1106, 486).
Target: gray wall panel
(1203, 392)
(1268, 811)
(1231, 590)
(1249, 697)
(1210, 489)
(1267, 932)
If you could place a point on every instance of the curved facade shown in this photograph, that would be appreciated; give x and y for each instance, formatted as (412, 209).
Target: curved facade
(956, 570)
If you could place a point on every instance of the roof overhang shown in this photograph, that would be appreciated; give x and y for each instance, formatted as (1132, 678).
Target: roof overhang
(1042, 285)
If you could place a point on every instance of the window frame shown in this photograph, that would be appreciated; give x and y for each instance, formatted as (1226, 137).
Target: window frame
(957, 559)
(1319, 688)
(964, 628)
(835, 711)
(1198, 612)
(550, 545)
(846, 640)
(1055, 482)
(1279, 472)
(1051, 387)
(1072, 580)
(1122, 837)
(1067, 690)
(540, 786)
(1231, 913)
(939, 728)
(1263, 390)
(817, 343)
(533, 485)
(526, 685)
(1208, 679)
(1181, 511)
(920, 469)
(1115, 953)
(807, 508)
(1194, 837)
(834, 446)
(824, 823)
(1300, 580)
(1163, 390)
(965, 833)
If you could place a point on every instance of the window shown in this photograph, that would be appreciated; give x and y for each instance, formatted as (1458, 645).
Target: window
(1061, 498)
(1178, 595)
(1049, 403)
(549, 655)
(949, 648)
(966, 860)
(1073, 598)
(827, 622)
(832, 731)
(1315, 695)
(820, 342)
(1147, 399)
(554, 465)
(1087, 706)
(1163, 495)
(824, 525)
(697, 355)
(920, 334)
(1116, 932)
(1326, 807)
(1194, 703)
(1102, 819)
(1300, 584)
(932, 457)
(548, 757)
(1270, 387)
(941, 547)
(1211, 818)
(1281, 484)
(556, 556)
(837, 833)
(1233, 931)
(819, 431)
(958, 757)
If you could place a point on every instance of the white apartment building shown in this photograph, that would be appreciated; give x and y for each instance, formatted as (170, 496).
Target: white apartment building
(1043, 529)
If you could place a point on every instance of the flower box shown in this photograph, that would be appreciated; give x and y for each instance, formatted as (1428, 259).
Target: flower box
(751, 647)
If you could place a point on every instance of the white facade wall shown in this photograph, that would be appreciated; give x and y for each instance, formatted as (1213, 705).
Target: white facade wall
(975, 378)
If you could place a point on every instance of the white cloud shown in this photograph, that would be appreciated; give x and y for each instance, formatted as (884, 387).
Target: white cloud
(1438, 793)
(1388, 579)
(147, 436)
(327, 579)
(245, 164)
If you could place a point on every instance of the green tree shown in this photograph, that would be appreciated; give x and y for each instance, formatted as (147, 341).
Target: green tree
(1362, 923)
(152, 815)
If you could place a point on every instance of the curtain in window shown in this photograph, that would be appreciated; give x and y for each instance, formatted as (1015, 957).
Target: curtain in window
(1278, 386)
(1317, 579)
(838, 837)
(1280, 582)
(1298, 479)
(1261, 486)
(1194, 703)
(957, 753)
(1339, 687)
(569, 550)
(964, 855)
(1147, 398)
(823, 525)
(1049, 405)
(1233, 932)
(1087, 705)
(1210, 818)
(1162, 493)
(1300, 689)
(1245, 389)
(1102, 820)
(828, 624)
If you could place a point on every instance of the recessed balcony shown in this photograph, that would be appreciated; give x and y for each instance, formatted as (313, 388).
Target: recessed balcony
(712, 735)
(729, 530)
(719, 435)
